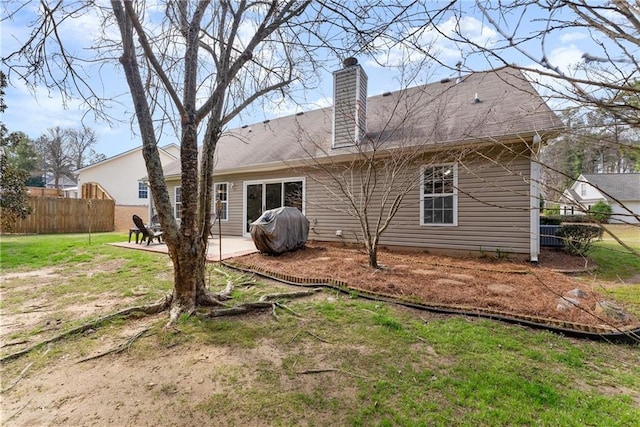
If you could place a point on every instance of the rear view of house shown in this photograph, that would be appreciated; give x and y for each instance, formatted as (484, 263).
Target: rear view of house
(471, 183)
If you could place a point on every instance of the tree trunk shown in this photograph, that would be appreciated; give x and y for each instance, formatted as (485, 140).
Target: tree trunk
(189, 272)
(372, 252)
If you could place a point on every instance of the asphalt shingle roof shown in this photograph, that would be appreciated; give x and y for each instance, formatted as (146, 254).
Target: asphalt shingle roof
(441, 113)
(622, 186)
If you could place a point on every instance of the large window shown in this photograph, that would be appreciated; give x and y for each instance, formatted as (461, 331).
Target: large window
(264, 195)
(221, 192)
(178, 203)
(293, 194)
(439, 195)
(143, 191)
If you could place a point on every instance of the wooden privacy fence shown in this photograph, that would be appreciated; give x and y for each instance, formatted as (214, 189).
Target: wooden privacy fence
(57, 215)
(45, 192)
(93, 190)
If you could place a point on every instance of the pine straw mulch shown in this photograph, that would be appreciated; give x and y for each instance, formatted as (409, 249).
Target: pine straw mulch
(495, 286)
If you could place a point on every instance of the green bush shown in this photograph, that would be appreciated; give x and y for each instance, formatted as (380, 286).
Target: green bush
(576, 218)
(578, 238)
(601, 212)
(554, 209)
(559, 219)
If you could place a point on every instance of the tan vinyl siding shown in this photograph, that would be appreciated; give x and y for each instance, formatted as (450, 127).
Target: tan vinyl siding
(493, 207)
(493, 212)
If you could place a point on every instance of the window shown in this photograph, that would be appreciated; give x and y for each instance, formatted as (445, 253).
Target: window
(439, 195)
(264, 195)
(178, 202)
(293, 194)
(143, 191)
(221, 192)
(583, 189)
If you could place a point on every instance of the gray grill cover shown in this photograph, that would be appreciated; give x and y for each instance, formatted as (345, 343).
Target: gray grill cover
(280, 230)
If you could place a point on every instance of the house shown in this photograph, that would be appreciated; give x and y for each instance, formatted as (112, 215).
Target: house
(64, 182)
(476, 136)
(620, 190)
(120, 176)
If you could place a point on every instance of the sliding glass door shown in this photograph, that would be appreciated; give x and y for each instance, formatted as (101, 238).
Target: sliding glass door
(261, 196)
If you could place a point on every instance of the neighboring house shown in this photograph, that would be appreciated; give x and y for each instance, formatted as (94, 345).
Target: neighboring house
(620, 190)
(64, 183)
(121, 177)
(476, 135)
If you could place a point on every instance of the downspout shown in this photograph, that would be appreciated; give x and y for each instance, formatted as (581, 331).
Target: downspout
(534, 200)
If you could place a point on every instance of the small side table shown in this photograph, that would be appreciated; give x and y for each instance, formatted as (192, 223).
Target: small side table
(132, 231)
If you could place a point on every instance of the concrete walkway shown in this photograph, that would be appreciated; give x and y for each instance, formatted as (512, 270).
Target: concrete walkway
(231, 247)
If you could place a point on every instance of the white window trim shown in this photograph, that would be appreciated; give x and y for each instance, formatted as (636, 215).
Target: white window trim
(583, 189)
(225, 204)
(175, 202)
(140, 189)
(455, 195)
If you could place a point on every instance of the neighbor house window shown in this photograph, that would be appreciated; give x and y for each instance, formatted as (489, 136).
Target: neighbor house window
(439, 195)
(178, 202)
(583, 189)
(221, 191)
(143, 191)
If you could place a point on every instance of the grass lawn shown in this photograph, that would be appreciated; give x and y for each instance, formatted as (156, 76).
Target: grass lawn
(331, 360)
(618, 265)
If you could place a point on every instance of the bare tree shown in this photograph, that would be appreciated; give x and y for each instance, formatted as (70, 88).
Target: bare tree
(605, 80)
(369, 178)
(415, 141)
(193, 67)
(55, 155)
(80, 143)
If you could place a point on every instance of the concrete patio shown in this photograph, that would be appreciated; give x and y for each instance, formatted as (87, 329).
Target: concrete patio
(231, 247)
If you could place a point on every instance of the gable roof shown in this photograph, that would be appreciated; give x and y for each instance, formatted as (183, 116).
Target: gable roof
(621, 186)
(438, 114)
(164, 149)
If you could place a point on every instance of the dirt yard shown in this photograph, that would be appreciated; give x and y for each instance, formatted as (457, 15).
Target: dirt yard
(158, 382)
(499, 286)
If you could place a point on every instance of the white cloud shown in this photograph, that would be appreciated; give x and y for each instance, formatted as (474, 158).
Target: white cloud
(438, 41)
(565, 57)
(572, 36)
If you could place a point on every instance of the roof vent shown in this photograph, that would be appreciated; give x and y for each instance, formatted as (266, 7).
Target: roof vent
(245, 126)
(386, 94)
(266, 121)
(300, 113)
(445, 80)
(476, 99)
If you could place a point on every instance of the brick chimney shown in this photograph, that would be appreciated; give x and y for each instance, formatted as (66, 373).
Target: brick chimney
(349, 104)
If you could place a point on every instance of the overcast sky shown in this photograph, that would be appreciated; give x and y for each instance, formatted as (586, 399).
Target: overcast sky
(33, 113)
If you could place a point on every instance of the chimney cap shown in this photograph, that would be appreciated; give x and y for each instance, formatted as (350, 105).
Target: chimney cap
(350, 62)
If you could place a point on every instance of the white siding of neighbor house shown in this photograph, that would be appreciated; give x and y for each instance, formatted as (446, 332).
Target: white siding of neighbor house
(120, 176)
(493, 208)
(621, 215)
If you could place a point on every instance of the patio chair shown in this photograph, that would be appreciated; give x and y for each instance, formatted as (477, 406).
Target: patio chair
(147, 233)
(155, 223)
